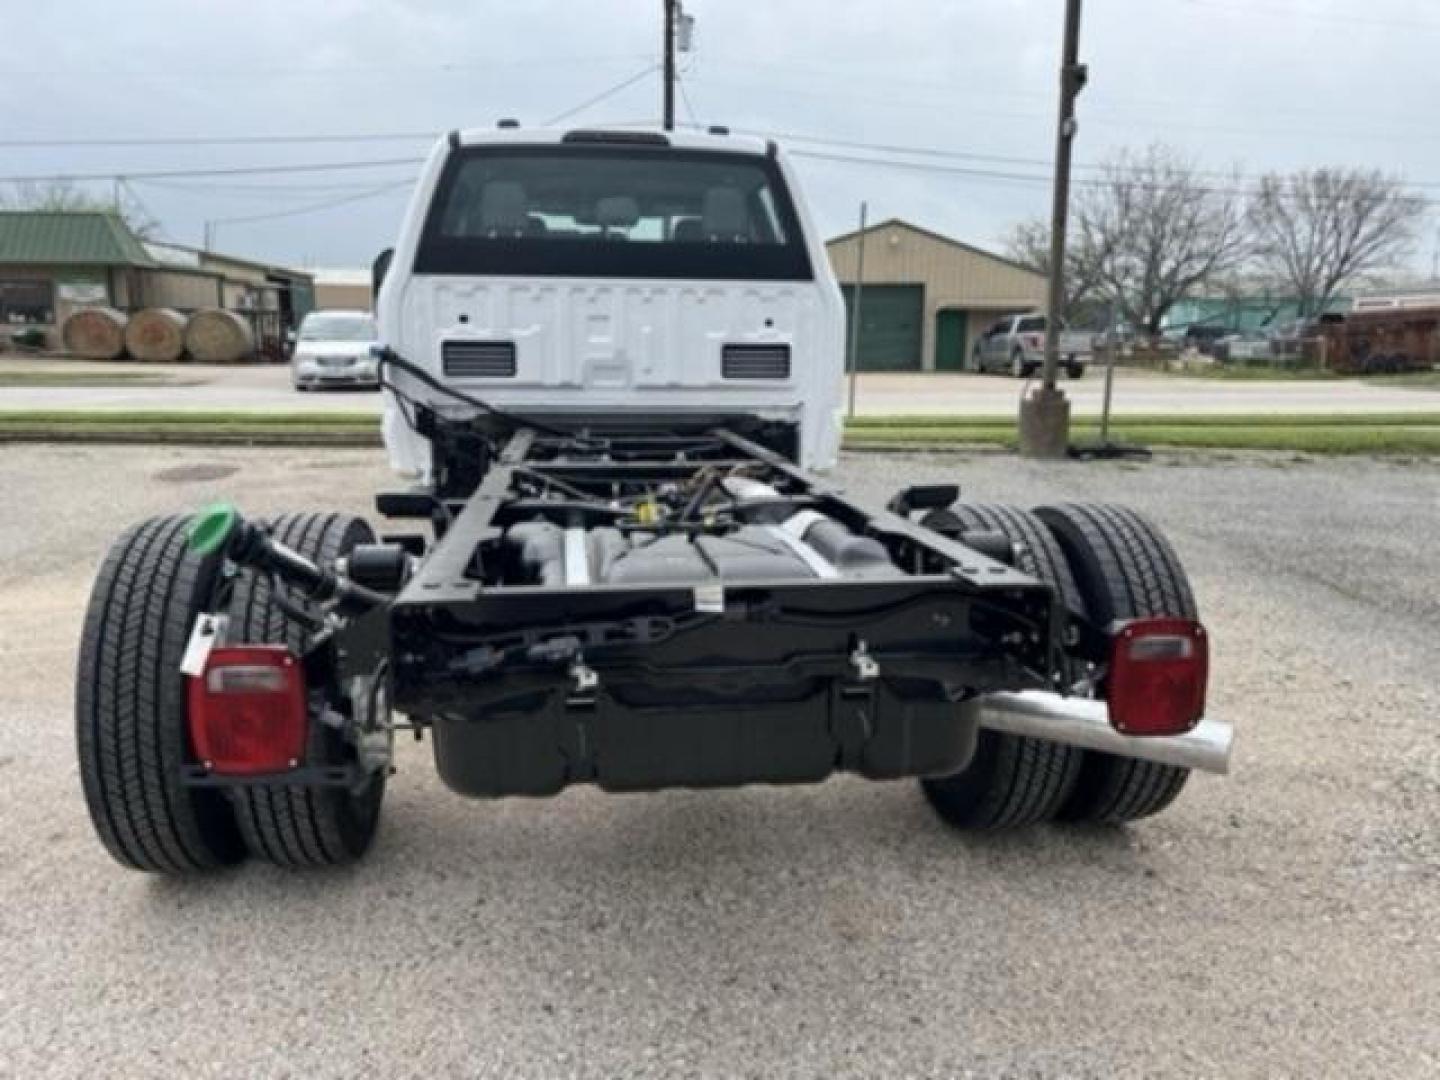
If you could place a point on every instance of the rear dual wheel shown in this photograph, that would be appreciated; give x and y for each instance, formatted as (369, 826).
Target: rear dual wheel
(131, 724)
(1109, 563)
(1125, 569)
(1013, 780)
(294, 825)
(130, 706)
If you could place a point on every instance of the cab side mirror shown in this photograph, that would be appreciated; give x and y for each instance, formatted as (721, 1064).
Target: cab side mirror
(378, 269)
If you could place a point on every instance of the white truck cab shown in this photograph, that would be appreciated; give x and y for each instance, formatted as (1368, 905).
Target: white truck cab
(614, 274)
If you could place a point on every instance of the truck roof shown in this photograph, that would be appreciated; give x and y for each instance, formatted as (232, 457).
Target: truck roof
(679, 140)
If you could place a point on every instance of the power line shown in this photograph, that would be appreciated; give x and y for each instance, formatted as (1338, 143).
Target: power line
(991, 159)
(922, 166)
(220, 140)
(603, 95)
(310, 208)
(878, 155)
(443, 67)
(244, 170)
(685, 97)
(918, 151)
(264, 191)
(785, 136)
(1044, 179)
(1099, 117)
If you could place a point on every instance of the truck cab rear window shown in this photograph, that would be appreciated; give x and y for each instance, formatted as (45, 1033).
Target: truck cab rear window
(595, 212)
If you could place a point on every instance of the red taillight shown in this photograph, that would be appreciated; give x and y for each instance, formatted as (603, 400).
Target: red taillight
(1034, 341)
(1158, 671)
(247, 711)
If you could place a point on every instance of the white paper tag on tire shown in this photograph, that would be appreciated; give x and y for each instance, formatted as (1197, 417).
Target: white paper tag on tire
(208, 630)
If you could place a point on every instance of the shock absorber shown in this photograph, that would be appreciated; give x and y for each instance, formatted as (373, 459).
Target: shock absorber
(221, 528)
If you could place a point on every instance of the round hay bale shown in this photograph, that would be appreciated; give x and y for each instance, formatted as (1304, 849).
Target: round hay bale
(156, 335)
(216, 336)
(94, 333)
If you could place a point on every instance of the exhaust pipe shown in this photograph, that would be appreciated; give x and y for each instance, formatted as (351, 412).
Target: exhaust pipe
(1085, 723)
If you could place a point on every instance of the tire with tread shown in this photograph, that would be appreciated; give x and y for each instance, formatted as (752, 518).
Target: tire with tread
(1125, 569)
(1013, 780)
(293, 825)
(130, 706)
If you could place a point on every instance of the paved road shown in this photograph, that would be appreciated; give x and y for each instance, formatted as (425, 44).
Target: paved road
(266, 388)
(1282, 922)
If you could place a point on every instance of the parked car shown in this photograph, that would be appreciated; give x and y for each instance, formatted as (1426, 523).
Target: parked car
(1016, 346)
(333, 348)
(1204, 337)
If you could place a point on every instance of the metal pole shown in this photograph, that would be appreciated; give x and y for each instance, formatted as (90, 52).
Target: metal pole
(1072, 79)
(670, 6)
(854, 364)
(1113, 348)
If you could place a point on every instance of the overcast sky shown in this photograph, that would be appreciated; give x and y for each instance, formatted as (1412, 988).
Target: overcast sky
(1269, 84)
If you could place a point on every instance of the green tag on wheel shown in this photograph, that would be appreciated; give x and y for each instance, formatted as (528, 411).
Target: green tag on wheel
(211, 528)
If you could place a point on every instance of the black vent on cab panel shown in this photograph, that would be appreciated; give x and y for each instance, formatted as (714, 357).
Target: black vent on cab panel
(755, 361)
(478, 359)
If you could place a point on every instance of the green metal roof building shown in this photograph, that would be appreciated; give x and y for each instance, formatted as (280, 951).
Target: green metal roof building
(67, 238)
(53, 262)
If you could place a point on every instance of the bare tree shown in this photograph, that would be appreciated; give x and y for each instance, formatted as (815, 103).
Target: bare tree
(1029, 245)
(1319, 230)
(63, 195)
(1157, 232)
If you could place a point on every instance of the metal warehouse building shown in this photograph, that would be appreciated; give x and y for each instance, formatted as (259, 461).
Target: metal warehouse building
(925, 297)
(342, 288)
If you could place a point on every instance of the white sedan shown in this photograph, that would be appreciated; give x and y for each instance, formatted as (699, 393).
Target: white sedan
(333, 349)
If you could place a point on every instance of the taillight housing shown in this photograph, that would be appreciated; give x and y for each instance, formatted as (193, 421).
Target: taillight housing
(247, 711)
(1158, 671)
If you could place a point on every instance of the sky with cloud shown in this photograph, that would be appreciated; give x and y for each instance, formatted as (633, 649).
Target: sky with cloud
(91, 87)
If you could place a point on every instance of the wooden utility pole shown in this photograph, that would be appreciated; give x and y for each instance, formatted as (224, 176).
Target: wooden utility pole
(1045, 413)
(669, 113)
(1072, 80)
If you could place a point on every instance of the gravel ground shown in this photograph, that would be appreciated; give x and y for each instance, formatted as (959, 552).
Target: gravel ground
(1283, 921)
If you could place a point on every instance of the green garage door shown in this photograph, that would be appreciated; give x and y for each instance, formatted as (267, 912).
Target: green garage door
(892, 326)
(950, 340)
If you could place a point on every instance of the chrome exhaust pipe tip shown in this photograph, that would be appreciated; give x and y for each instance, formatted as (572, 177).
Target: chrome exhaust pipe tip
(1085, 723)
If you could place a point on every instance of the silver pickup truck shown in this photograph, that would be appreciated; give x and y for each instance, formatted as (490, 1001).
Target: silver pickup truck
(1015, 345)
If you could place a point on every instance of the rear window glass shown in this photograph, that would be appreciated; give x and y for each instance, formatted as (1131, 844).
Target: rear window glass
(597, 212)
(1032, 325)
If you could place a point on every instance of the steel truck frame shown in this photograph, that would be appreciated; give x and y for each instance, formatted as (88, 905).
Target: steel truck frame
(283, 654)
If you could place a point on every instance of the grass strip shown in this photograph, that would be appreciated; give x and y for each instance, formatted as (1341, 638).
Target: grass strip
(1339, 439)
(171, 417)
(1399, 433)
(1206, 420)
